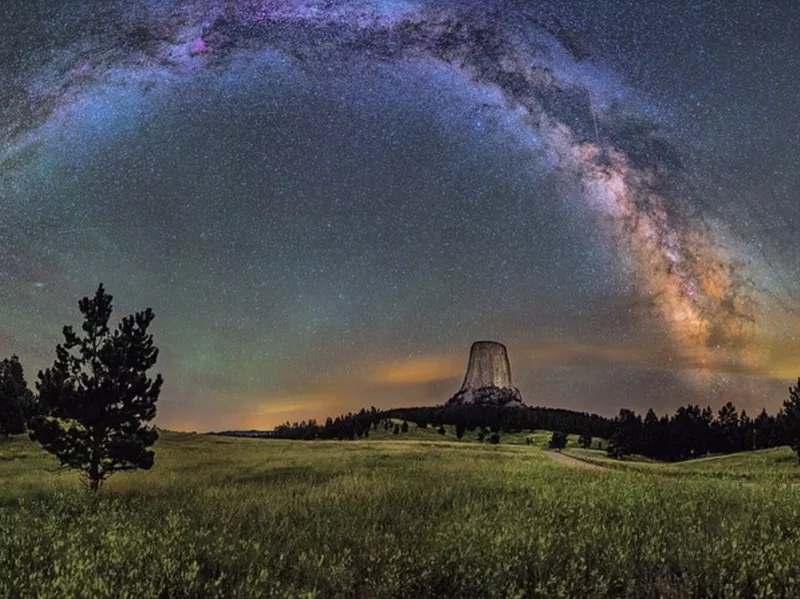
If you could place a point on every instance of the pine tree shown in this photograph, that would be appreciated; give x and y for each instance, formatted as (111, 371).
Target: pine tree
(727, 429)
(626, 438)
(763, 430)
(650, 434)
(16, 400)
(790, 417)
(97, 394)
(559, 440)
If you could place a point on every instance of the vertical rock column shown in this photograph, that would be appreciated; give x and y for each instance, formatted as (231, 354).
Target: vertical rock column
(488, 378)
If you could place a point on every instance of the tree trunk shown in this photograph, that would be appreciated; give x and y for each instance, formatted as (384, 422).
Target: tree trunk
(94, 475)
(94, 466)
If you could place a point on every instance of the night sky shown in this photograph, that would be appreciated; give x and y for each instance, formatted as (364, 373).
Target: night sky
(325, 203)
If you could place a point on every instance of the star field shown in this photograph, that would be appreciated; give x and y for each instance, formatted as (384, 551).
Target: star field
(326, 203)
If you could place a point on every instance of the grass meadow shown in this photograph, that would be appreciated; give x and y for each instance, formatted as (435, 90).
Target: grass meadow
(419, 515)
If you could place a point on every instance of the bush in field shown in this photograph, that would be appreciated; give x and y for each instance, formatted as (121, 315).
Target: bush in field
(441, 430)
(16, 400)
(404, 427)
(790, 416)
(494, 439)
(97, 394)
(558, 440)
(396, 430)
(585, 441)
(460, 429)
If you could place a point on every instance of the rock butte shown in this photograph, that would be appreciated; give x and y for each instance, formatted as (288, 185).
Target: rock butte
(488, 378)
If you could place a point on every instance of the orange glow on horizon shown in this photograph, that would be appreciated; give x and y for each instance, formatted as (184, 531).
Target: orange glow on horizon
(402, 382)
(416, 371)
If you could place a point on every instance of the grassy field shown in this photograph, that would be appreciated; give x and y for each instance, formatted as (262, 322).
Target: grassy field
(539, 438)
(768, 466)
(420, 516)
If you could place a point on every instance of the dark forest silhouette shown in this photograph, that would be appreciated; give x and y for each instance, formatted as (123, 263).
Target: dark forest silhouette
(694, 432)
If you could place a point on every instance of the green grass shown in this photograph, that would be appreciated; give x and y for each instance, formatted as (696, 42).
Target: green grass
(540, 438)
(778, 465)
(423, 517)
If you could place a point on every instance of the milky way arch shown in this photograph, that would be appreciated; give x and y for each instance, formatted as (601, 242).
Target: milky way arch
(592, 129)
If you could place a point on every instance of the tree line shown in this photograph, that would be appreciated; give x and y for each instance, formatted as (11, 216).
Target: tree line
(346, 427)
(694, 432)
(493, 419)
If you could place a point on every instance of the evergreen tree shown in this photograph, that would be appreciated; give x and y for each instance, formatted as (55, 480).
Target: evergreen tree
(585, 440)
(706, 433)
(790, 419)
(727, 429)
(650, 430)
(689, 432)
(16, 400)
(97, 394)
(404, 428)
(559, 440)
(460, 429)
(746, 432)
(627, 434)
(763, 430)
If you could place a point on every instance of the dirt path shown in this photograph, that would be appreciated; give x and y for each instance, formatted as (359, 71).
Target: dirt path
(569, 461)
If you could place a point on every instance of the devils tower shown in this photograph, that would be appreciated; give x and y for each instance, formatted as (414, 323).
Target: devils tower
(488, 378)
